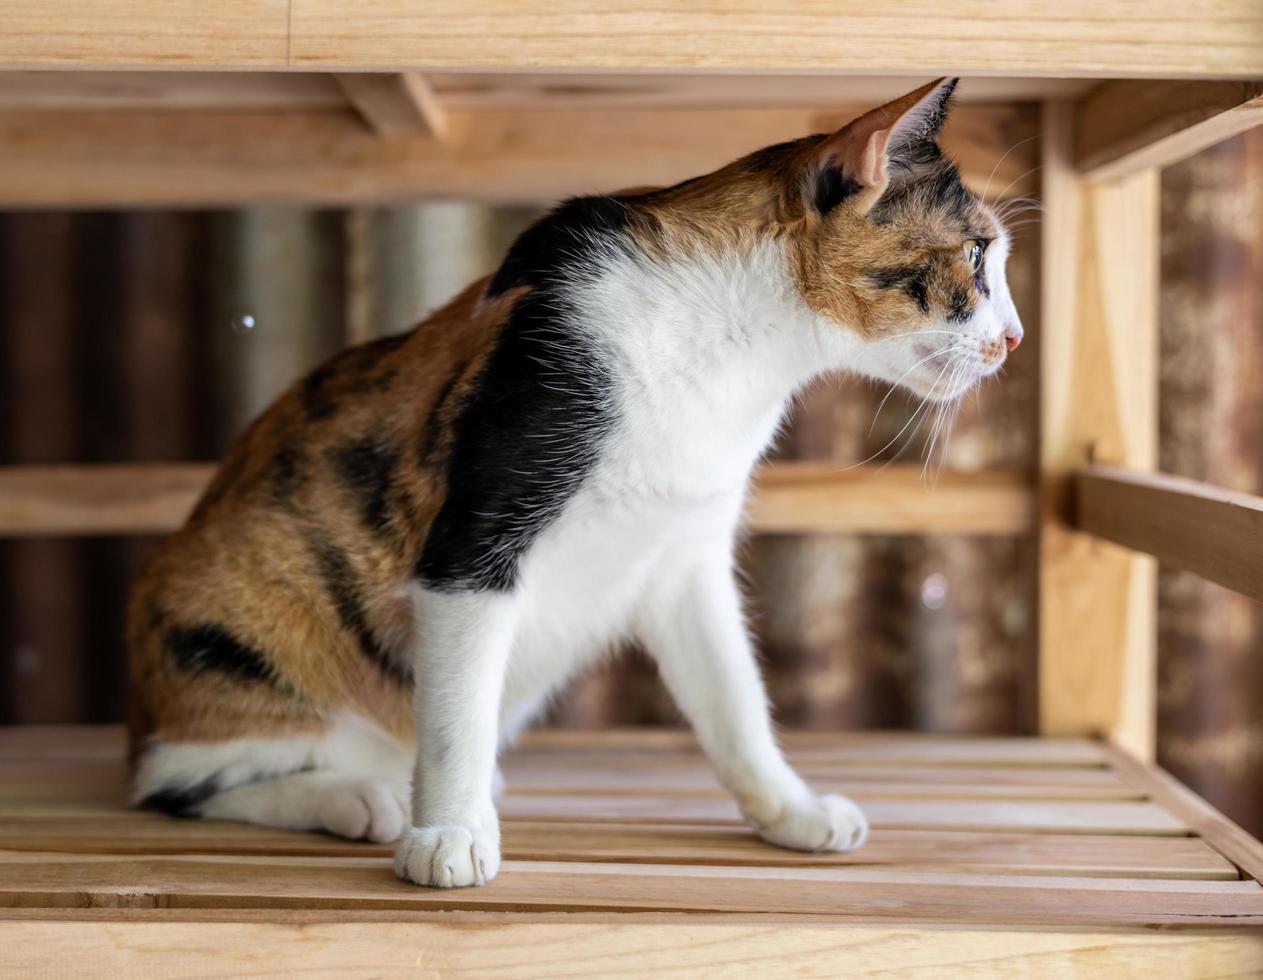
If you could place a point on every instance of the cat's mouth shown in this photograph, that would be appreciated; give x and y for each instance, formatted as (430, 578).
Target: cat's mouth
(948, 376)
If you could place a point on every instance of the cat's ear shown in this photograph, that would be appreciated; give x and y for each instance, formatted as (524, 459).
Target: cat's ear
(852, 164)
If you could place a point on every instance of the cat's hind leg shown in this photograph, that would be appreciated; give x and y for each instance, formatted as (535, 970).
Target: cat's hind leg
(351, 780)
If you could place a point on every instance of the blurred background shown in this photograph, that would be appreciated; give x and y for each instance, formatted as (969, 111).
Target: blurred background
(156, 336)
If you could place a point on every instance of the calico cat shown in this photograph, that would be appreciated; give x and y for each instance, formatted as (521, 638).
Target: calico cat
(412, 549)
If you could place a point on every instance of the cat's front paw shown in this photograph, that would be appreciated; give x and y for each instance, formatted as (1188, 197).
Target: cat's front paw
(818, 823)
(447, 856)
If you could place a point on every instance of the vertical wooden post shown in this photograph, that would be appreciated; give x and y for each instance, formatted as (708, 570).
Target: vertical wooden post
(1098, 403)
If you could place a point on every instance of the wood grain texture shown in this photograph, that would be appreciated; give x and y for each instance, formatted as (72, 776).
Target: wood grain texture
(789, 498)
(1098, 401)
(1214, 532)
(1125, 127)
(136, 33)
(1163, 38)
(396, 105)
(68, 159)
(800, 498)
(69, 849)
(645, 946)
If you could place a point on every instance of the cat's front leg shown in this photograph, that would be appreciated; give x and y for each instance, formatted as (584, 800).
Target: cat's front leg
(463, 646)
(693, 627)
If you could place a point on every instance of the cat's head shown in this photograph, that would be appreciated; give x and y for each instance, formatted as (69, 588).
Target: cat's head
(893, 247)
(899, 262)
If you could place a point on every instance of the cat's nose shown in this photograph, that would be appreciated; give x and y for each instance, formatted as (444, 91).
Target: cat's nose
(1012, 336)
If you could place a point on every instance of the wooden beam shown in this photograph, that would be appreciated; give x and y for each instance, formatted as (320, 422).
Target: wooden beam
(804, 498)
(396, 105)
(1126, 127)
(789, 498)
(1205, 529)
(69, 159)
(1098, 381)
(1051, 37)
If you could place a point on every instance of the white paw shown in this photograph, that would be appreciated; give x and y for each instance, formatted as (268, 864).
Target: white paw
(364, 809)
(820, 823)
(447, 856)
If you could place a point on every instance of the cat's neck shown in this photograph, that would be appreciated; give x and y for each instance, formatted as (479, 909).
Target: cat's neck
(707, 352)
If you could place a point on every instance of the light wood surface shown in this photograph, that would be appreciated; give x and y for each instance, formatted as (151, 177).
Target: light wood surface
(1098, 401)
(1067, 38)
(789, 498)
(143, 33)
(509, 155)
(67, 843)
(1129, 126)
(396, 104)
(1214, 532)
(648, 946)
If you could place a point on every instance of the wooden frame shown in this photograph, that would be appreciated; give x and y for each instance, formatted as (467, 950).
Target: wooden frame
(314, 101)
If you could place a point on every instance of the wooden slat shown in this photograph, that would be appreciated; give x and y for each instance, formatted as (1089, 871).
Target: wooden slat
(1071, 37)
(805, 498)
(1044, 817)
(1125, 127)
(525, 947)
(68, 159)
(119, 831)
(1098, 399)
(1214, 532)
(800, 498)
(1224, 835)
(168, 33)
(396, 104)
(53, 880)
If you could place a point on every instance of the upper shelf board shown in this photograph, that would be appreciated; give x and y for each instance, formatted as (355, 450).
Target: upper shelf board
(1068, 38)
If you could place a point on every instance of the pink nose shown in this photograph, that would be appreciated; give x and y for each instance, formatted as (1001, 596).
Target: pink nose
(1012, 337)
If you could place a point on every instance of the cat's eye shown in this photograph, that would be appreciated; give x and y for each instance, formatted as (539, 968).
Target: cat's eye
(973, 251)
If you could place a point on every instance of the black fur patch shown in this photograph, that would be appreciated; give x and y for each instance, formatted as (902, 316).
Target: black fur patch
(183, 801)
(912, 279)
(832, 187)
(434, 420)
(289, 475)
(529, 433)
(344, 592)
(960, 310)
(211, 647)
(367, 469)
(349, 373)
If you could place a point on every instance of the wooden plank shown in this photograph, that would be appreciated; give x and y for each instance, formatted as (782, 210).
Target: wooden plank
(162, 91)
(1044, 817)
(803, 498)
(1125, 127)
(524, 947)
(791, 497)
(1221, 833)
(396, 104)
(68, 159)
(1205, 529)
(1159, 38)
(1098, 400)
(52, 880)
(116, 831)
(660, 747)
(170, 33)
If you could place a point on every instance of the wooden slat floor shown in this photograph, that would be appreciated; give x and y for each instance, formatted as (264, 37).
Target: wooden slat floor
(620, 829)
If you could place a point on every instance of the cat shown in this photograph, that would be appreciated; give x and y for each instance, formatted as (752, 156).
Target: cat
(416, 545)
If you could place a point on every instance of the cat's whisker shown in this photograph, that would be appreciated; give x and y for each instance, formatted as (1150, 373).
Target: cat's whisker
(1003, 157)
(938, 353)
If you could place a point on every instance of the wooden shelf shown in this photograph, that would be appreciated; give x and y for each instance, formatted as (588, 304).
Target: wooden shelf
(1046, 37)
(789, 498)
(621, 845)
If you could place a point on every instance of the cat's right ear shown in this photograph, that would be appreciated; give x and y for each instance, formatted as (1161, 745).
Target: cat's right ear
(851, 165)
